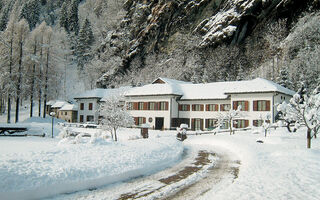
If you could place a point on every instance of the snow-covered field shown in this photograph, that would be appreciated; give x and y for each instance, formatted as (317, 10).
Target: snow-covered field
(33, 167)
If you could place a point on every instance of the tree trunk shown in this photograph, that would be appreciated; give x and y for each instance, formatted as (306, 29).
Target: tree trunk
(10, 73)
(309, 138)
(32, 81)
(115, 134)
(40, 81)
(19, 79)
(46, 85)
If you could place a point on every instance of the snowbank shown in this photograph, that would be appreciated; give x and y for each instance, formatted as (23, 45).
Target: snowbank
(40, 167)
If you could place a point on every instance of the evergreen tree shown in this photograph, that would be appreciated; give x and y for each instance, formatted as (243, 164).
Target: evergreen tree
(31, 12)
(85, 41)
(4, 17)
(283, 78)
(64, 16)
(73, 20)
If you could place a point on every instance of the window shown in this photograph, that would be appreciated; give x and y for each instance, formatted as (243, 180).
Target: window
(197, 124)
(240, 123)
(212, 107)
(211, 123)
(261, 105)
(163, 106)
(197, 107)
(225, 107)
(90, 106)
(184, 107)
(90, 118)
(257, 123)
(81, 118)
(140, 106)
(81, 106)
(65, 113)
(152, 106)
(244, 105)
(139, 120)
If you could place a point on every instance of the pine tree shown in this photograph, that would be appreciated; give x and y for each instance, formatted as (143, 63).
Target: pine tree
(64, 16)
(31, 12)
(85, 41)
(283, 78)
(73, 20)
(4, 16)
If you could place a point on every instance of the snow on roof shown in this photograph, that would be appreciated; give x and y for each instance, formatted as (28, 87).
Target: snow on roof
(154, 89)
(100, 93)
(59, 104)
(51, 102)
(69, 107)
(259, 85)
(170, 81)
(216, 90)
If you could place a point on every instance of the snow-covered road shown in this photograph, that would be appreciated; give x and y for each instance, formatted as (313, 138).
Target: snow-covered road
(201, 168)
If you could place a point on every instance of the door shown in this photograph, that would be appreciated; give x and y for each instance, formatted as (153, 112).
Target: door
(159, 123)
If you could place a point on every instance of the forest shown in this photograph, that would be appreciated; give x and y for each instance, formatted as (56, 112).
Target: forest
(54, 49)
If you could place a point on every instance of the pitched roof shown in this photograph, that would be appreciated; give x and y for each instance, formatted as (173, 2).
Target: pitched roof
(170, 81)
(59, 104)
(216, 90)
(69, 107)
(100, 93)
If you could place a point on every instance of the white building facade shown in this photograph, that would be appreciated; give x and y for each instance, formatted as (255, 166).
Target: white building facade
(167, 103)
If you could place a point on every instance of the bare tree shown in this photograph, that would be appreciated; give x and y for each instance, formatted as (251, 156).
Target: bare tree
(304, 109)
(114, 115)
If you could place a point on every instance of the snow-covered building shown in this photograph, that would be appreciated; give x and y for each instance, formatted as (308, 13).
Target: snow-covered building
(55, 107)
(88, 103)
(166, 103)
(69, 113)
(49, 106)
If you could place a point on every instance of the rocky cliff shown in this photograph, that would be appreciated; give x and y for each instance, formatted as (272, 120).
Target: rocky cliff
(155, 28)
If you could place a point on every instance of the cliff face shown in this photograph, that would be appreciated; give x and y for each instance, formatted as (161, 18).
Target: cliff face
(164, 31)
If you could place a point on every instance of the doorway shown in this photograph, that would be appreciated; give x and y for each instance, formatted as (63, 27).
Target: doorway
(159, 123)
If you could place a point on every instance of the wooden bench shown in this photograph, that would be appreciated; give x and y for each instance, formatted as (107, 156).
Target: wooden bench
(11, 130)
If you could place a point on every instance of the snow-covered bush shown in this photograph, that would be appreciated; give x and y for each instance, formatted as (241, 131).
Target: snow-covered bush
(304, 109)
(64, 133)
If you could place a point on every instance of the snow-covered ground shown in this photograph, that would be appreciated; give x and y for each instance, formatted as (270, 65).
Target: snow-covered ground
(33, 167)
(279, 168)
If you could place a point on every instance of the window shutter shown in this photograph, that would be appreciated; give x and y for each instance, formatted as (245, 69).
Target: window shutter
(180, 107)
(145, 106)
(216, 107)
(188, 107)
(246, 105)
(201, 107)
(235, 105)
(268, 106)
(167, 105)
(207, 107)
(207, 123)
(201, 123)
(193, 107)
(135, 105)
(246, 123)
(192, 124)
(221, 107)
(144, 120)
(136, 120)
(255, 105)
